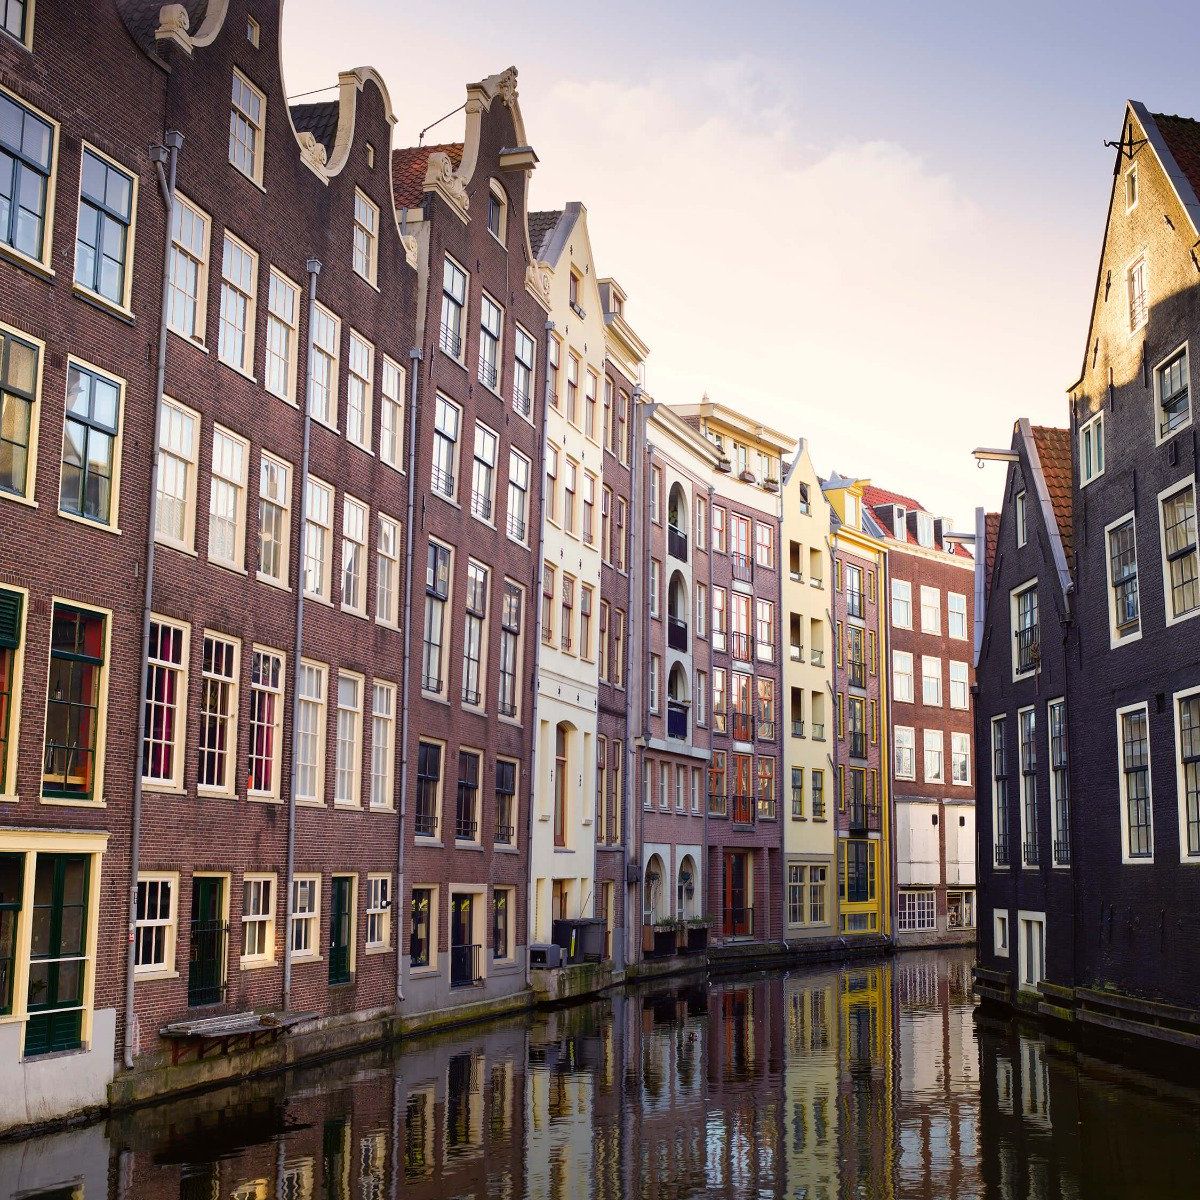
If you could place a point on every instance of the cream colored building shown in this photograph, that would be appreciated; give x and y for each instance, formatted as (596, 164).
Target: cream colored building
(809, 832)
(563, 845)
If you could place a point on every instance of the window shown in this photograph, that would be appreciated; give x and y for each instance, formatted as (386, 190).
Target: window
(429, 789)
(901, 603)
(764, 626)
(1131, 188)
(366, 237)
(274, 519)
(466, 827)
(586, 592)
(618, 647)
(1030, 826)
(454, 299)
(1000, 934)
(258, 918)
(561, 784)
(496, 213)
(502, 907)
(227, 500)
(383, 743)
(719, 705)
(246, 119)
(764, 545)
(475, 633)
(718, 529)
(700, 712)
(1171, 379)
(1135, 284)
(1025, 631)
(91, 427)
(902, 675)
(359, 388)
(437, 594)
(218, 714)
(175, 503)
(154, 934)
(318, 539)
(960, 758)
(816, 895)
(1060, 799)
(655, 495)
(935, 769)
(483, 476)
(391, 415)
(603, 652)
(266, 721)
(252, 32)
(796, 894)
(906, 747)
(931, 680)
(166, 704)
(766, 787)
(549, 576)
(572, 412)
(620, 536)
(510, 648)
(1137, 827)
(310, 733)
(524, 359)
(655, 588)
(959, 688)
(818, 795)
(306, 916)
(701, 610)
(1091, 450)
(956, 615)
(999, 794)
(104, 237)
(187, 285)
(447, 419)
(925, 530)
(506, 802)
(239, 283)
(348, 780)
(567, 625)
(491, 324)
(420, 945)
(589, 508)
(554, 379)
(590, 385)
(764, 690)
(1022, 531)
(551, 496)
(570, 483)
(931, 610)
(858, 871)
(1179, 551)
(1124, 606)
(356, 520)
(27, 144)
(387, 571)
(916, 912)
(379, 912)
(654, 682)
(323, 366)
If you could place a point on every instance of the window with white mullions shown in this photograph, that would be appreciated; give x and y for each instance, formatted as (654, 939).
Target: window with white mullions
(235, 331)
(523, 373)
(1027, 632)
(366, 237)
(310, 734)
(474, 631)
(90, 430)
(490, 323)
(1030, 851)
(445, 447)
(454, 299)
(1171, 381)
(510, 637)
(1189, 760)
(166, 701)
(383, 744)
(437, 593)
(323, 366)
(483, 473)
(258, 918)
(1135, 775)
(153, 946)
(274, 519)
(518, 495)
(1059, 782)
(26, 148)
(1179, 538)
(266, 721)
(348, 778)
(246, 127)
(18, 381)
(14, 15)
(187, 271)
(1123, 577)
(466, 823)
(102, 237)
(283, 309)
(218, 714)
(1135, 283)
(359, 386)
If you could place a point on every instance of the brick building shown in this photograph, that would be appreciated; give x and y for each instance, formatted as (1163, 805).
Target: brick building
(929, 625)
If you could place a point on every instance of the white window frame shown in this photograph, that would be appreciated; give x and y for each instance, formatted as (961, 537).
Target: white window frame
(365, 249)
(219, 481)
(931, 609)
(444, 403)
(1001, 933)
(905, 738)
(1115, 638)
(1013, 629)
(898, 661)
(356, 535)
(312, 707)
(902, 595)
(169, 924)
(319, 492)
(926, 678)
(347, 789)
(236, 111)
(919, 915)
(325, 346)
(238, 294)
(1131, 188)
(1181, 774)
(956, 606)
(1136, 321)
(189, 466)
(1156, 379)
(1036, 918)
(232, 683)
(310, 917)
(1123, 796)
(280, 694)
(184, 257)
(174, 781)
(1091, 450)
(1022, 527)
(964, 683)
(378, 913)
(360, 391)
(383, 749)
(933, 743)
(387, 568)
(280, 496)
(259, 917)
(960, 750)
(1169, 493)
(392, 407)
(283, 336)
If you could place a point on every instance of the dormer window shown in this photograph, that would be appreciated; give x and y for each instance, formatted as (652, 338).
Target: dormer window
(924, 529)
(497, 212)
(618, 305)
(246, 119)
(851, 511)
(900, 521)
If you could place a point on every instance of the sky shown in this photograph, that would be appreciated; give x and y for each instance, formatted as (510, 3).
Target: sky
(873, 225)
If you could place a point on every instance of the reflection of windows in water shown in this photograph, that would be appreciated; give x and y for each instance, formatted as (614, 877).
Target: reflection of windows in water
(1004, 1085)
(558, 1173)
(1035, 1080)
(199, 1182)
(253, 1189)
(335, 1159)
(918, 984)
(372, 1165)
(296, 1182)
(500, 1102)
(418, 1135)
(464, 1103)
(818, 1026)
(862, 1033)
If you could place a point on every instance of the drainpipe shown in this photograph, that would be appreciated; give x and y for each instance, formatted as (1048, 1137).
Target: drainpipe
(414, 370)
(831, 721)
(705, 892)
(888, 811)
(314, 269)
(166, 162)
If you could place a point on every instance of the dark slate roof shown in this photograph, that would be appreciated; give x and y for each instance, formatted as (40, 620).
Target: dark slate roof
(408, 170)
(1054, 450)
(1182, 135)
(320, 119)
(141, 18)
(541, 225)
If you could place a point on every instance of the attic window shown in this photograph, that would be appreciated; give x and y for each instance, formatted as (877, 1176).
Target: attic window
(252, 32)
(370, 156)
(924, 529)
(1131, 188)
(618, 305)
(576, 281)
(497, 212)
(899, 520)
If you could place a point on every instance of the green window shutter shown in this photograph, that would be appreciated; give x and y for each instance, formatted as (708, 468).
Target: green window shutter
(10, 619)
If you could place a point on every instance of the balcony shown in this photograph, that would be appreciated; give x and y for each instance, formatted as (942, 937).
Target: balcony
(677, 634)
(817, 657)
(1062, 852)
(863, 817)
(743, 726)
(797, 729)
(743, 568)
(677, 543)
(1030, 852)
(818, 731)
(717, 806)
(858, 674)
(464, 966)
(854, 604)
(858, 744)
(739, 646)
(450, 341)
(677, 720)
(1029, 649)
(742, 809)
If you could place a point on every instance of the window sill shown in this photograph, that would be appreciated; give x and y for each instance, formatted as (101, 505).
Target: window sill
(256, 964)
(351, 805)
(311, 804)
(430, 843)
(154, 787)
(505, 850)
(249, 178)
(8, 798)
(434, 697)
(263, 798)
(195, 343)
(17, 499)
(230, 567)
(88, 523)
(381, 808)
(103, 303)
(423, 972)
(212, 793)
(318, 599)
(275, 583)
(299, 960)
(170, 544)
(153, 976)
(374, 951)
(354, 612)
(67, 802)
(34, 265)
(468, 845)
(325, 425)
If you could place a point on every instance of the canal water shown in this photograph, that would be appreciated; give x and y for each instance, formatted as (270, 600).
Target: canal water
(859, 1081)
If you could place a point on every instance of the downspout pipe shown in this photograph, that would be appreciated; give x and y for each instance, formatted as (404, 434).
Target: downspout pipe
(639, 416)
(314, 269)
(414, 371)
(166, 162)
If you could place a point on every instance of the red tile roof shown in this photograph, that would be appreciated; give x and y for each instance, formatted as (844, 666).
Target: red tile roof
(876, 497)
(408, 170)
(1182, 136)
(1054, 450)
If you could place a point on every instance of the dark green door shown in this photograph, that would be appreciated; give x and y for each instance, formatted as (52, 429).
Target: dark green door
(57, 958)
(206, 965)
(339, 930)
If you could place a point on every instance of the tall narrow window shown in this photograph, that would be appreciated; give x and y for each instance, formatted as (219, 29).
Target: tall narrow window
(483, 473)
(567, 624)
(366, 237)
(506, 802)
(77, 649)
(570, 484)
(175, 507)
(1028, 649)
(239, 283)
(258, 918)
(18, 396)
(959, 687)
(227, 500)
(589, 508)
(589, 404)
(474, 633)
(310, 730)
(318, 539)
(1179, 547)
(1091, 450)
(901, 603)
(379, 916)
(359, 385)
(560, 785)
(356, 519)
(26, 147)
(166, 704)
(466, 822)
(1172, 387)
(1188, 716)
(154, 944)
(283, 317)
(274, 519)
(491, 322)
(391, 415)
(454, 299)
(90, 432)
(960, 759)
(518, 496)
(348, 782)
(387, 572)
(218, 714)
(246, 118)
(1027, 728)
(585, 621)
(1123, 578)
(1135, 282)
(383, 744)
(1135, 784)
(11, 605)
(429, 787)
(573, 388)
(266, 721)
(58, 954)
(549, 576)
(187, 284)
(323, 366)
(510, 648)
(1060, 798)
(447, 420)
(437, 593)
(999, 794)
(102, 241)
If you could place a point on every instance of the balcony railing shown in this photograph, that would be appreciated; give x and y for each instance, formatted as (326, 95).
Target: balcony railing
(854, 603)
(1000, 852)
(504, 835)
(742, 809)
(426, 821)
(858, 673)
(677, 543)
(464, 966)
(818, 731)
(739, 646)
(766, 729)
(742, 726)
(471, 697)
(1062, 852)
(450, 341)
(466, 828)
(797, 729)
(863, 817)
(677, 633)
(442, 481)
(1030, 853)
(516, 526)
(481, 506)
(677, 720)
(717, 806)
(521, 401)
(743, 567)
(487, 372)
(1029, 649)
(206, 970)
(818, 657)
(796, 653)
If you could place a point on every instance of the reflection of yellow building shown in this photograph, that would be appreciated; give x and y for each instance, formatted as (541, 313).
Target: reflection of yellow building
(861, 685)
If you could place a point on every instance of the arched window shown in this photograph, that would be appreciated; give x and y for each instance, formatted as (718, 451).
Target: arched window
(688, 889)
(652, 891)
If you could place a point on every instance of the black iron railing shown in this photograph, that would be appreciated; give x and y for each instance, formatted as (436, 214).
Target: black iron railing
(858, 673)
(677, 720)
(743, 726)
(1029, 648)
(739, 646)
(677, 543)
(739, 922)
(743, 567)
(487, 372)
(464, 966)
(481, 506)
(677, 634)
(450, 341)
